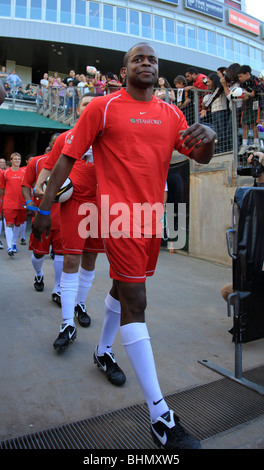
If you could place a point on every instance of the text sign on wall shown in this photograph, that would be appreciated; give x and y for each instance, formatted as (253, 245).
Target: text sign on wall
(206, 7)
(244, 22)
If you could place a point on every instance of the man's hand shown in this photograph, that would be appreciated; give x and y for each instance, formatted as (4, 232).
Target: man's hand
(41, 224)
(31, 212)
(197, 135)
(38, 190)
(202, 139)
(260, 156)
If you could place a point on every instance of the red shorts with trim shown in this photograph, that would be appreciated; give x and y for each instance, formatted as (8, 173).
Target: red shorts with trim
(43, 247)
(132, 259)
(76, 219)
(15, 216)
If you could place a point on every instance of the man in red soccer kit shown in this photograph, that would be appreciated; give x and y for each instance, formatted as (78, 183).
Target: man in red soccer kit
(42, 247)
(77, 279)
(133, 135)
(2, 168)
(13, 205)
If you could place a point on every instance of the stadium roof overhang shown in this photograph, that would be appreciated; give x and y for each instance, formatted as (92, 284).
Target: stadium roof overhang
(27, 121)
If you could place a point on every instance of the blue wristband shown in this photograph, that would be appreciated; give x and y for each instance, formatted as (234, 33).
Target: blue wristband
(33, 191)
(43, 212)
(32, 208)
(29, 200)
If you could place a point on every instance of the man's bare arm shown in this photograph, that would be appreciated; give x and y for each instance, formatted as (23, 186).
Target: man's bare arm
(38, 190)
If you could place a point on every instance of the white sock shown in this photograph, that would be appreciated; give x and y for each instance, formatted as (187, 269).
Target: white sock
(68, 287)
(256, 141)
(9, 236)
(16, 231)
(245, 141)
(57, 266)
(85, 282)
(23, 230)
(111, 324)
(136, 341)
(4, 224)
(37, 264)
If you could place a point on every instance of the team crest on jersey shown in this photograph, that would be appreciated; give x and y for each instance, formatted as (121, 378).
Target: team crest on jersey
(69, 141)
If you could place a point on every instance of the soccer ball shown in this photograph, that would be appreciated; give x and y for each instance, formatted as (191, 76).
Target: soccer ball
(237, 94)
(90, 70)
(64, 192)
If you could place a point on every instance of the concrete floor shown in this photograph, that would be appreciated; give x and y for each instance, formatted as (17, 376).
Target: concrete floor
(187, 320)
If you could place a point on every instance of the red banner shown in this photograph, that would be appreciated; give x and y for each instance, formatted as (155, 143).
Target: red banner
(244, 22)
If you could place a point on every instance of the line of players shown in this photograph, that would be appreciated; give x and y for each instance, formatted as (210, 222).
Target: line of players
(74, 256)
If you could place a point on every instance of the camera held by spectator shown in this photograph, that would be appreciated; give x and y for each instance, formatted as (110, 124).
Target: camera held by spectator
(256, 168)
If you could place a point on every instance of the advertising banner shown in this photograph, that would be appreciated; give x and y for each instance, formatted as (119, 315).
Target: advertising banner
(206, 7)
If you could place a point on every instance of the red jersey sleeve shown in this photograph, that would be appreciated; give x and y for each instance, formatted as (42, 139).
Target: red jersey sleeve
(30, 174)
(181, 126)
(87, 128)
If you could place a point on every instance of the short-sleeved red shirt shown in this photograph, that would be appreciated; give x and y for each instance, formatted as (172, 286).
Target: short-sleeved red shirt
(132, 145)
(10, 181)
(82, 174)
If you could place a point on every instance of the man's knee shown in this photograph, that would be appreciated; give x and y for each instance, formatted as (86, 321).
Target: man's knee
(71, 263)
(88, 261)
(133, 301)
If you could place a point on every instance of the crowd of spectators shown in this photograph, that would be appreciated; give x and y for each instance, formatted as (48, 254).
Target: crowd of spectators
(214, 102)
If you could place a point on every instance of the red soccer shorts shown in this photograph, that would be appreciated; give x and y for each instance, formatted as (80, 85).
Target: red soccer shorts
(15, 216)
(132, 259)
(43, 247)
(74, 229)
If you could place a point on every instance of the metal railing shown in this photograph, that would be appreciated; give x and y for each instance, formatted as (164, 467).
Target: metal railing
(224, 116)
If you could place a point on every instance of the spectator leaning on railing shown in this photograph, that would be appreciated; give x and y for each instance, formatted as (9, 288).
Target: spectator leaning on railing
(14, 80)
(216, 101)
(164, 90)
(252, 102)
(230, 81)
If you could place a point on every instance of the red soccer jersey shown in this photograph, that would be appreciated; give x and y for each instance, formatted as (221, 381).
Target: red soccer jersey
(10, 181)
(132, 145)
(82, 175)
(32, 172)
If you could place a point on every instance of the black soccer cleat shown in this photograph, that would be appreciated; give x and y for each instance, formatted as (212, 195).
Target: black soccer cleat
(67, 334)
(108, 364)
(84, 318)
(56, 297)
(168, 433)
(39, 283)
(10, 252)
